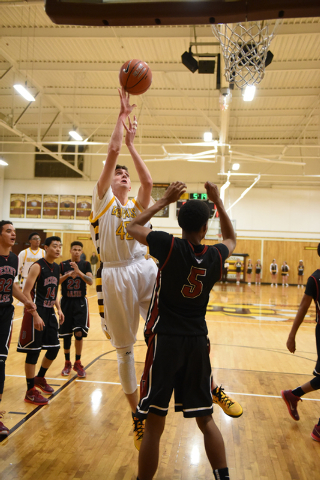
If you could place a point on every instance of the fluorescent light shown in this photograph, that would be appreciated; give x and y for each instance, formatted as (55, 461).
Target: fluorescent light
(236, 166)
(75, 135)
(2, 162)
(24, 92)
(207, 136)
(249, 93)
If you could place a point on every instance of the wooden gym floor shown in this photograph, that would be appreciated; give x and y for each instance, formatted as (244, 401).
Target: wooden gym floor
(85, 431)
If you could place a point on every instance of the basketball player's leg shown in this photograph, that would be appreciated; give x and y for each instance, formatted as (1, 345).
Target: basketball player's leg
(149, 450)
(80, 327)
(213, 443)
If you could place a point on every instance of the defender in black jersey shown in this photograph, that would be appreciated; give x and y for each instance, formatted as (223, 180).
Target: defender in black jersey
(176, 331)
(75, 274)
(292, 397)
(40, 332)
(8, 289)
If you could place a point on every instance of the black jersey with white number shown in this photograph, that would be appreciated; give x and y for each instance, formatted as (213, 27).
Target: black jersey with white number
(8, 271)
(46, 286)
(185, 278)
(74, 287)
(313, 289)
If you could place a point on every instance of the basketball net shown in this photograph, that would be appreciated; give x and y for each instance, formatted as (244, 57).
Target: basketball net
(244, 48)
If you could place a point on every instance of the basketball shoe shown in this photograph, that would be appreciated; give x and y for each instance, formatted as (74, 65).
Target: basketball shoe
(34, 396)
(41, 382)
(4, 431)
(228, 405)
(77, 367)
(315, 434)
(138, 431)
(291, 401)
(67, 368)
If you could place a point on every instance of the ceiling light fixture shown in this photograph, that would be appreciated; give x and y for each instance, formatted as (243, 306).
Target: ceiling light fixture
(248, 93)
(75, 135)
(3, 162)
(24, 92)
(235, 166)
(207, 136)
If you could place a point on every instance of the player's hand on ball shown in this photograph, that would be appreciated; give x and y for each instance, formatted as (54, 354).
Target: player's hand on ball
(125, 107)
(212, 191)
(174, 191)
(291, 344)
(131, 131)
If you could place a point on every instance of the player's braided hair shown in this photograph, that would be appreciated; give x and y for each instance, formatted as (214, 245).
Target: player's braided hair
(193, 215)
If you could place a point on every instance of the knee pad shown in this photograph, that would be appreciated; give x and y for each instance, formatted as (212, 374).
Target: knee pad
(127, 373)
(2, 374)
(67, 342)
(32, 357)
(315, 383)
(52, 353)
(78, 337)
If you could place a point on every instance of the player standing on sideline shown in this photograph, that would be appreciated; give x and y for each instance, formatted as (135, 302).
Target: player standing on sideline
(125, 278)
(176, 331)
(274, 273)
(258, 272)
(285, 274)
(300, 273)
(8, 272)
(74, 277)
(292, 397)
(40, 332)
(28, 256)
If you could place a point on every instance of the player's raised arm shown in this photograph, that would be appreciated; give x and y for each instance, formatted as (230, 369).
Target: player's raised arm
(141, 168)
(114, 147)
(228, 235)
(136, 227)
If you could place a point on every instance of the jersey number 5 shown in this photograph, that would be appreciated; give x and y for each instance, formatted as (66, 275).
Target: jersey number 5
(195, 287)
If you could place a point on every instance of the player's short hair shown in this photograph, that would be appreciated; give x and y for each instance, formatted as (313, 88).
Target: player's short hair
(193, 215)
(32, 235)
(4, 222)
(76, 243)
(49, 240)
(123, 167)
(319, 249)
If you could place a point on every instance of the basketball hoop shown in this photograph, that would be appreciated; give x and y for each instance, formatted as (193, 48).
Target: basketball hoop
(245, 48)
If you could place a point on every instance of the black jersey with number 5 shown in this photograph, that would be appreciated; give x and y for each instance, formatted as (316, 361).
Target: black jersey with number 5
(74, 287)
(8, 271)
(46, 286)
(185, 278)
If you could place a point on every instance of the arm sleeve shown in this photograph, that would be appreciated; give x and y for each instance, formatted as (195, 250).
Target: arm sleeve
(224, 251)
(311, 288)
(159, 245)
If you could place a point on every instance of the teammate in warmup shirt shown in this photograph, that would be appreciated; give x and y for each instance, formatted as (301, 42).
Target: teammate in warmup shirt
(176, 331)
(285, 274)
(274, 273)
(40, 331)
(125, 278)
(292, 397)
(28, 256)
(249, 271)
(258, 272)
(300, 273)
(8, 272)
(75, 275)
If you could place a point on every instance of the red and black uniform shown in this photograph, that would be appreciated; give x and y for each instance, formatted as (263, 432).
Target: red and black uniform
(44, 294)
(313, 290)
(8, 272)
(176, 330)
(74, 303)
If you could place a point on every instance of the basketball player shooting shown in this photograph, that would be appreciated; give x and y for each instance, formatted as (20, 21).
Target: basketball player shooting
(125, 278)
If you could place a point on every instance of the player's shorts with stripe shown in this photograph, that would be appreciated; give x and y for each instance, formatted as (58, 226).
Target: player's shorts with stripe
(6, 317)
(32, 340)
(126, 294)
(76, 316)
(180, 364)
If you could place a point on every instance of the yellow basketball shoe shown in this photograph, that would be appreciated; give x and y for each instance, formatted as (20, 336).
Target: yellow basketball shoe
(228, 405)
(138, 431)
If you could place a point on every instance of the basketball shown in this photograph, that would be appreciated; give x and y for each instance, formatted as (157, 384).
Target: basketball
(135, 77)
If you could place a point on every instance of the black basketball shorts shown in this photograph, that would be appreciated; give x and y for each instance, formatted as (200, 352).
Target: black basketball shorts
(6, 317)
(32, 340)
(76, 316)
(180, 364)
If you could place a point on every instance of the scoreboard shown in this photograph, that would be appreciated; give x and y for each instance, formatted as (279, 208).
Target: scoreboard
(203, 197)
